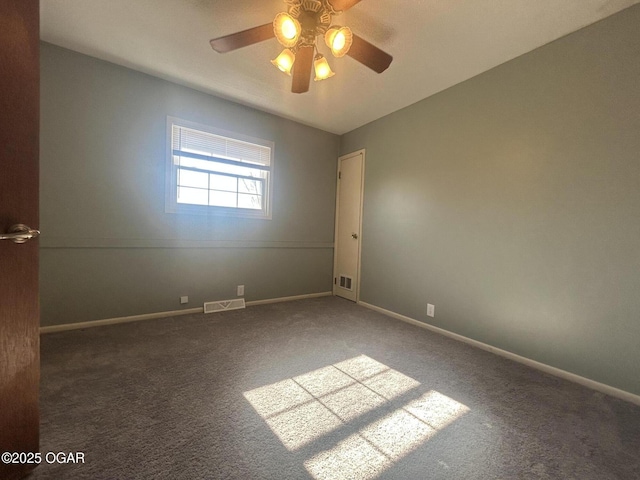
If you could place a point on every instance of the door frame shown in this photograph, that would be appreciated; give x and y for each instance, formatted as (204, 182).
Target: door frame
(337, 218)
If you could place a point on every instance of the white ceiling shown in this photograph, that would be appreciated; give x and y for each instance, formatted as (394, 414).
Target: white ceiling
(435, 44)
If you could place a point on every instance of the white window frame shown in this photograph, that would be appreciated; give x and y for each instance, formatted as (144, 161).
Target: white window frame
(171, 176)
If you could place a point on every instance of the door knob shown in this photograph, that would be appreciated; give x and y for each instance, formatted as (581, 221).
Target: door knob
(20, 233)
(354, 235)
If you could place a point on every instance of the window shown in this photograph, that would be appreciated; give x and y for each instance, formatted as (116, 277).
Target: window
(211, 171)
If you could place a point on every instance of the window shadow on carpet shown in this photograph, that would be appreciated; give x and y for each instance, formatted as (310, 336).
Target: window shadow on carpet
(355, 418)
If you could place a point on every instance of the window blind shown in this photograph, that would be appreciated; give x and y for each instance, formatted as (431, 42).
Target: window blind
(188, 140)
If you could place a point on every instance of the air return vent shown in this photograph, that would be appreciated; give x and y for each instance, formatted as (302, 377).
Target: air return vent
(345, 282)
(224, 305)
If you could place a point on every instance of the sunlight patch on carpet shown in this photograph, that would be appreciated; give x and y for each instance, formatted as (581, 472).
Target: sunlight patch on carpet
(306, 408)
(376, 447)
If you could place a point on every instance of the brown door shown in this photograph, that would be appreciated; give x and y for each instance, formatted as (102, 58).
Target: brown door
(19, 311)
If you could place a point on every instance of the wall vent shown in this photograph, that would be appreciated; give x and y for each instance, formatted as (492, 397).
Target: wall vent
(224, 305)
(346, 282)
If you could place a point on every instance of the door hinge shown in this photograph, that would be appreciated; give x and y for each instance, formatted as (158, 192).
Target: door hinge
(339, 175)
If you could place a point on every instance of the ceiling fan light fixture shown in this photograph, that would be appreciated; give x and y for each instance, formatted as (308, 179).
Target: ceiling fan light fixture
(322, 68)
(284, 61)
(339, 40)
(298, 29)
(287, 29)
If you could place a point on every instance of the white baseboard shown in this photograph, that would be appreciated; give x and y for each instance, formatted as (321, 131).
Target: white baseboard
(289, 299)
(172, 313)
(572, 377)
(113, 321)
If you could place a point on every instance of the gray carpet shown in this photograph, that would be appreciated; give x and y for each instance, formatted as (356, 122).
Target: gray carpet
(319, 388)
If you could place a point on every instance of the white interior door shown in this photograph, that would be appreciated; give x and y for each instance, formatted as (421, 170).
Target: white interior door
(346, 267)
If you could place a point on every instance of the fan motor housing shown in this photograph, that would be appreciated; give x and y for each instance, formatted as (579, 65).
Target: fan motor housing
(314, 16)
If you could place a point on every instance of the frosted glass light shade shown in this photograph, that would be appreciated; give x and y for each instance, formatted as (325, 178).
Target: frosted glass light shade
(339, 40)
(287, 29)
(284, 61)
(322, 68)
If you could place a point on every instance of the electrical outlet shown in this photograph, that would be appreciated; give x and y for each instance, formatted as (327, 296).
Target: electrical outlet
(184, 300)
(431, 310)
(240, 290)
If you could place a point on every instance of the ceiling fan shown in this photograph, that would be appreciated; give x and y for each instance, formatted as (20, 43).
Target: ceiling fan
(297, 30)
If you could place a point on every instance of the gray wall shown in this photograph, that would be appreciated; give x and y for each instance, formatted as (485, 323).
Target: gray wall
(512, 202)
(108, 249)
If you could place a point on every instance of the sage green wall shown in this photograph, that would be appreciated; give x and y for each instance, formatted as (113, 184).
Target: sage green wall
(108, 249)
(512, 202)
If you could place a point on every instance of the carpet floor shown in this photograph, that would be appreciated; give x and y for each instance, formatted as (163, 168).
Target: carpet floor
(319, 388)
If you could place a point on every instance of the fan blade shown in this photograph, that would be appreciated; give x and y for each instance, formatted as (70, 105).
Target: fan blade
(369, 55)
(342, 5)
(243, 39)
(302, 70)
